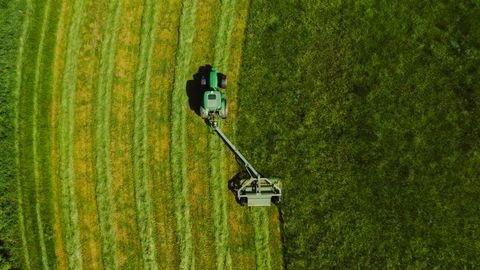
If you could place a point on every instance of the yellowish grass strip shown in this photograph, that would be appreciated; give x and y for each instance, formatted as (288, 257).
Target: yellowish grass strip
(66, 129)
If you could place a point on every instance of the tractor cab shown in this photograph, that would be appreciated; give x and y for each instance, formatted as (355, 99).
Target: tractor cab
(214, 101)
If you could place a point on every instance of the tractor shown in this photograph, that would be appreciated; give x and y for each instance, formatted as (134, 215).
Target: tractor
(256, 190)
(214, 105)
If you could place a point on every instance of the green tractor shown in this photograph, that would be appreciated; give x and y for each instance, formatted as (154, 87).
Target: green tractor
(256, 190)
(214, 103)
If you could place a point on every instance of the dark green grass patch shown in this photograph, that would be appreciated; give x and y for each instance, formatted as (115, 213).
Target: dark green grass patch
(10, 31)
(369, 112)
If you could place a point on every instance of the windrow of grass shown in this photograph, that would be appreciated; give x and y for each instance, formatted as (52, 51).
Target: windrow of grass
(66, 130)
(178, 134)
(262, 242)
(102, 135)
(19, 73)
(35, 135)
(218, 173)
(142, 92)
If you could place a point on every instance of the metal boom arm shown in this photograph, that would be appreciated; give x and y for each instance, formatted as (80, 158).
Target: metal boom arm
(256, 191)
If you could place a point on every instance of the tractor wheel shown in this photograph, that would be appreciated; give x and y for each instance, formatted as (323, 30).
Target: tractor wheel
(203, 81)
(224, 112)
(243, 201)
(203, 114)
(222, 80)
(276, 200)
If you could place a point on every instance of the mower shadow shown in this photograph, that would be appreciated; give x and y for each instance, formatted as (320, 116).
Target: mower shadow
(195, 90)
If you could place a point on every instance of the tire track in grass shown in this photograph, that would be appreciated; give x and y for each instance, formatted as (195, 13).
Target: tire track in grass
(66, 125)
(178, 140)
(140, 169)
(19, 68)
(102, 136)
(36, 174)
(216, 149)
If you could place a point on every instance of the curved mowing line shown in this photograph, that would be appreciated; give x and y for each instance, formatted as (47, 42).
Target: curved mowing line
(66, 130)
(21, 218)
(36, 174)
(261, 231)
(216, 150)
(102, 136)
(140, 169)
(178, 145)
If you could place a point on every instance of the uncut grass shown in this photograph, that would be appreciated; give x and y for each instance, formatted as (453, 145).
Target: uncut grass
(181, 190)
(66, 134)
(85, 155)
(163, 68)
(143, 196)
(12, 230)
(58, 66)
(102, 135)
(121, 130)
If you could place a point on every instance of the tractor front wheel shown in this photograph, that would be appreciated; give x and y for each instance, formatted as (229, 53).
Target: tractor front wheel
(222, 80)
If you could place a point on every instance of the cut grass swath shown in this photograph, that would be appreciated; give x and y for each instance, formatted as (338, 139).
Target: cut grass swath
(66, 124)
(102, 136)
(35, 139)
(140, 168)
(178, 120)
(216, 151)
(19, 68)
(261, 232)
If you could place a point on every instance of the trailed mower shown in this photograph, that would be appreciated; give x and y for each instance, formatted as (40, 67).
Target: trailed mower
(256, 190)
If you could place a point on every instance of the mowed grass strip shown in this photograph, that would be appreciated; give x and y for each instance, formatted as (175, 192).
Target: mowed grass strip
(58, 67)
(216, 148)
(143, 196)
(129, 252)
(262, 235)
(19, 75)
(66, 136)
(35, 135)
(178, 135)
(102, 135)
(85, 155)
(163, 68)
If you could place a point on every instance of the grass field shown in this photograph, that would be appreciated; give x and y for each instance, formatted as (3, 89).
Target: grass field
(115, 171)
(368, 111)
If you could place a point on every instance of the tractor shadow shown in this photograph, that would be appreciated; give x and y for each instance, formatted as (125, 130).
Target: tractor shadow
(195, 89)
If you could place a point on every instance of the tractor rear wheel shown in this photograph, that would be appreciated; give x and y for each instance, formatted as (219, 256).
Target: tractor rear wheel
(222, 80)
(203, 81)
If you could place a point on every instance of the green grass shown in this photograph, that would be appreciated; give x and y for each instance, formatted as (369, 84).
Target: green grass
(215, 147)
(261, 234)
(178, 133)
(11, 224)
(35, 136)
(102, 136)
(67, 175)
(142, 90)
(368, 111)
